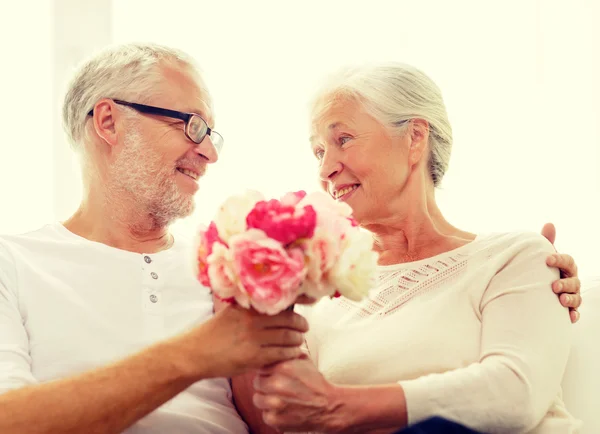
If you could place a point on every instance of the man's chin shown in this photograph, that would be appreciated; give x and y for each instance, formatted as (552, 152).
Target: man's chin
(185, 209)
(189, 210)
(168, 213)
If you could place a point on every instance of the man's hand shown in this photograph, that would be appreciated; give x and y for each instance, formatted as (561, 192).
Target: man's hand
(569, 285)
(237, 340)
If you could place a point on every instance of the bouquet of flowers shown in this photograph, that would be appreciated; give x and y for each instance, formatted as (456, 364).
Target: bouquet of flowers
(265, 254)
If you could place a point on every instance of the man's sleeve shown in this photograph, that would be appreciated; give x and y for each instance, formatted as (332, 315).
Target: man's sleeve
(15, 361)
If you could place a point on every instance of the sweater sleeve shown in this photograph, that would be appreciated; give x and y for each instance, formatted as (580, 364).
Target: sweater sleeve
(525, 341)
(15, 362)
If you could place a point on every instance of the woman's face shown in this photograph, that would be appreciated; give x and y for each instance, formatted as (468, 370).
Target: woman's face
(362, 162)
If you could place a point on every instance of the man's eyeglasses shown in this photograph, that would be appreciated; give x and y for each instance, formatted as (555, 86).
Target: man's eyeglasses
(196, 128)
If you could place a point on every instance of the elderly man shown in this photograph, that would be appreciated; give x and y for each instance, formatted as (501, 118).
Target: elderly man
(102, 326)
(101, 320)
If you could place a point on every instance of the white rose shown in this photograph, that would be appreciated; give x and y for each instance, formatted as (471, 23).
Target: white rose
(317, 291)
(231, 216)
(354, 272)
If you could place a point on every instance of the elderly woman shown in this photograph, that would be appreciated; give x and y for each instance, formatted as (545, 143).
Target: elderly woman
(458, 325)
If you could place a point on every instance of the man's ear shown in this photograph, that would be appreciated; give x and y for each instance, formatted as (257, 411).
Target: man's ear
(419, 135)
(104, 121)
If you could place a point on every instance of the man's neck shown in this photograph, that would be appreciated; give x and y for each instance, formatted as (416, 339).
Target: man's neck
(120, 228)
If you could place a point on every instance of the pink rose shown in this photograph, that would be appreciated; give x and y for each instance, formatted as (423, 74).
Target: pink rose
(222, 276)
(283, 223)
(267, 272)
(206, 239)
(321, 251)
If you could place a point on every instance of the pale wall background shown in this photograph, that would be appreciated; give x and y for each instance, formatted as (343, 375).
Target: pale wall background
(521, 80)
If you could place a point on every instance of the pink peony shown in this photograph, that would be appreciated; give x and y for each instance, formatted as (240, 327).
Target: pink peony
(284, 223)
(207, 238)
(268, 273)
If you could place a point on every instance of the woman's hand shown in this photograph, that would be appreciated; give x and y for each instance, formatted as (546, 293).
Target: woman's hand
(294, 396)
(569, 286)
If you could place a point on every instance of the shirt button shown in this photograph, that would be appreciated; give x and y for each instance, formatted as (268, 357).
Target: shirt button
(154, 275)
(153, 298)
(148, 259)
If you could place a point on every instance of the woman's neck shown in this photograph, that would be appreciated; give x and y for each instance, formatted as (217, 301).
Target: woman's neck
(420, 232)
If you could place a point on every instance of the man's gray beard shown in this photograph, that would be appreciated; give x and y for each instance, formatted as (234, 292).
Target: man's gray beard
(140, 184)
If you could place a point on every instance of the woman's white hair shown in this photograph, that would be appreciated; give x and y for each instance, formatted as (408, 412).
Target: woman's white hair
(128, 72)
(394, 93)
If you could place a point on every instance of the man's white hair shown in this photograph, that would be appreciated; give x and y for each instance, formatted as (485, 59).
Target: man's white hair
(394, 93)
(127, 72)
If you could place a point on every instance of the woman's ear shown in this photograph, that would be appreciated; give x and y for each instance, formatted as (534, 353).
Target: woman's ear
(419, 135)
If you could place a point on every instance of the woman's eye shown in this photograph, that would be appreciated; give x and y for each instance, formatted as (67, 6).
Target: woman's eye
(343, 140)
(319, 154)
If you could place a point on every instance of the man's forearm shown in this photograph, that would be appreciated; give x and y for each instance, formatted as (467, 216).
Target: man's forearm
(106, 400)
